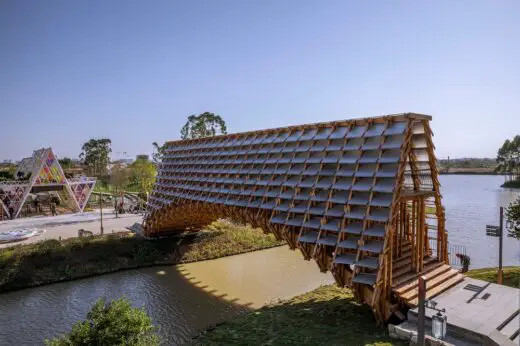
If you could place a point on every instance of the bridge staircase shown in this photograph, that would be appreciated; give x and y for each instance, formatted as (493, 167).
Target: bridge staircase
(439, 276)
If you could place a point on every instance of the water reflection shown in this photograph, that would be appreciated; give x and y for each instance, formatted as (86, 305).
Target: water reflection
(182, 300)
(471, 202)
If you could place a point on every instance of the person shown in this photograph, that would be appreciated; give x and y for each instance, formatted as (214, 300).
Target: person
(465, 261)
(53, 209)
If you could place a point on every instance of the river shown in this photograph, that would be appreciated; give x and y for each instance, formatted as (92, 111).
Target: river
(471, 202)
(186, 299)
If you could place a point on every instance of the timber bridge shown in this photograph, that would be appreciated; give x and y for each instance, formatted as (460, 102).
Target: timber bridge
(361, 197)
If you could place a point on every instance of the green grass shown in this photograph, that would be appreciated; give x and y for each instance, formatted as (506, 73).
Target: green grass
(52, 261)
(511, 184)
(511, 275)
(326, 316)
(227, 239)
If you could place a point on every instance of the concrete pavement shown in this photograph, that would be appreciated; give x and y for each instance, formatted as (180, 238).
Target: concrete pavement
(478, 311)
(67, 226)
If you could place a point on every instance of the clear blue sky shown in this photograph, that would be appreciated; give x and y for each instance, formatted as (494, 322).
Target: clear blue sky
(133, 71)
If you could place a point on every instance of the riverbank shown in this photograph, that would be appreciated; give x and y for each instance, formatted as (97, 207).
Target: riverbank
(511, 276)
(327, 315)
(511, 184)
(52, 261)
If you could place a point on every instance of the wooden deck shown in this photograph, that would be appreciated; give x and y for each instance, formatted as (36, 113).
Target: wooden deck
(405, 282)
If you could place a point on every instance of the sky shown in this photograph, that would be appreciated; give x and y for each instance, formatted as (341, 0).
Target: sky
(133, 71)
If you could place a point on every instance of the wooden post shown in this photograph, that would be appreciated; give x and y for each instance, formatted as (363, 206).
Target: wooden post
(422, 311)
(414, 233)
(500, 242)
(101, 211)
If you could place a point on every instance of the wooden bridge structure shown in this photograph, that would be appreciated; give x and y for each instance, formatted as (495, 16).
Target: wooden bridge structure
(361, 197)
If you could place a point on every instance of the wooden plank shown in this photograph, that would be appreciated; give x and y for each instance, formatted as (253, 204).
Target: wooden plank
(407, 286)
(407, 261)
(408, 276)
(440, 288)
(434, 281)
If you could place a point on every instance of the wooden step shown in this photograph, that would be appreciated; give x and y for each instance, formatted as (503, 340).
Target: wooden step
(403, 269)
(439, 289)
(407, 259)
(430, 284)
(408, 276)
(409, 285)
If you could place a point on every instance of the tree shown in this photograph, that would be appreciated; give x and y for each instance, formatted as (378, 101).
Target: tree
(113, 323)
(513, 215)
(65, 163)
(203, 125)
(508, 157)
(158, 152)
(119, 176)
(143, 174)
(96, 155)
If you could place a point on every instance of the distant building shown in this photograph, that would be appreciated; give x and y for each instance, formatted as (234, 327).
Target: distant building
(143, 157)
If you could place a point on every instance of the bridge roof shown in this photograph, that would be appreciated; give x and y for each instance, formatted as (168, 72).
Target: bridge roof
(316, 176)
(310, 125)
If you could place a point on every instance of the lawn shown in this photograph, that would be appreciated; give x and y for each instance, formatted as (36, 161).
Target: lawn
(52, 261)
(511, 275)
(326, 316)
(513, 184)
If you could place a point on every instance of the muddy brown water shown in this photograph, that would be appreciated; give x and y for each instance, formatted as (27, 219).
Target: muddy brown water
(186, 299)
(182, 300)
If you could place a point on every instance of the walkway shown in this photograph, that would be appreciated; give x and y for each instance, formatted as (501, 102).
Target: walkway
(478, 310)
(67, 226)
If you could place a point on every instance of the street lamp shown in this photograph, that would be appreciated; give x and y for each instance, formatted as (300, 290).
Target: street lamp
(439, 320)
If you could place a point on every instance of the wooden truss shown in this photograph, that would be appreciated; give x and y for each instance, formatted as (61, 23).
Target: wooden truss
(42, 171)
(361, 197)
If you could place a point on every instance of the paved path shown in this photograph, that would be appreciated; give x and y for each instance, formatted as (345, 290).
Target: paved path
(481, 309)
(67, 226)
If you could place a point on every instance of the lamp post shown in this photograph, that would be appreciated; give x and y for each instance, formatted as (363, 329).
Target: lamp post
(116, 203)
(439, 320)
(101, 211)
(422, 312)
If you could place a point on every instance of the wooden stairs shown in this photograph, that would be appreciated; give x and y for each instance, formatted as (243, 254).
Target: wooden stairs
(439, 276)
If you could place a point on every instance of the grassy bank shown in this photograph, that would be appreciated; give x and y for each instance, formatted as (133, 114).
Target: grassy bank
(511, 275)
(328, 315)
(512, 184)
(53, 261)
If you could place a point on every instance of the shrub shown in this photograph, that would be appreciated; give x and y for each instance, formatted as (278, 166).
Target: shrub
(47, 246)
(113, 323)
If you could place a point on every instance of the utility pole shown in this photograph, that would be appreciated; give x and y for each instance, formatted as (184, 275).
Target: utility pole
(500, 240)
(101, 211)
(498, 231)
(116, 202)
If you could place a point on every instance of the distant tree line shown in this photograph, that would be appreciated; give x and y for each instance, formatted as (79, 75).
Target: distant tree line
(468, 162)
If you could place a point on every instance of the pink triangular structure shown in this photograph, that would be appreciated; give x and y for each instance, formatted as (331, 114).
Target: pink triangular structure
(42, 169)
